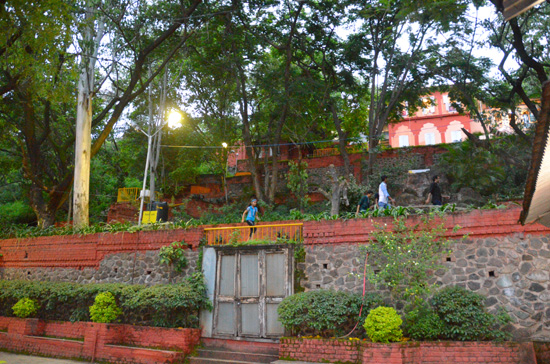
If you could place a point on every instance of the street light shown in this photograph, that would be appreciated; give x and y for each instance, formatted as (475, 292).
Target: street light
(173, 118)
(224, 145)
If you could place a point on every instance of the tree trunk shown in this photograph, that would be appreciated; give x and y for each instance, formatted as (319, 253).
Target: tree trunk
(342, 136)
(83, 144)
(83, 141)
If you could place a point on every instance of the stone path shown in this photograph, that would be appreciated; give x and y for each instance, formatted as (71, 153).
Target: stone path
(10, 358)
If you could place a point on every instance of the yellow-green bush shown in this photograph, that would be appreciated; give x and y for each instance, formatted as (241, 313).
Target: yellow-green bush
(104, 309)
(383, 325)
(25, 307)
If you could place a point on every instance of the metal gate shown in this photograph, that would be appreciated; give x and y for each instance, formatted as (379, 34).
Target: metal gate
(250, 284)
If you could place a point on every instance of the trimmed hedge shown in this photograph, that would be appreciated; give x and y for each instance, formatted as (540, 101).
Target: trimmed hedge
(325, 313)
(174, 305)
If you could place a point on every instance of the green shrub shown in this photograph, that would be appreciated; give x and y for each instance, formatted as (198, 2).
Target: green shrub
(104, 309)
(324, 312)
(25, 307)
(465, 317)
(423, 324)
(174, 255)
(172, 305)
(382, 325)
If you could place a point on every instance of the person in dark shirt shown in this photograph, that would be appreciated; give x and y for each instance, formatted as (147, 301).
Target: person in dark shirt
(435, 192)
(364, 204)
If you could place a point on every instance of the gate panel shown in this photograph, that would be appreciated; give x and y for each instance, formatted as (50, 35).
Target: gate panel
(251, 283)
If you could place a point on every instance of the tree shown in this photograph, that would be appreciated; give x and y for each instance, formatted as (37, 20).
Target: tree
(403, 256)
(38, 76)
(89, 45)
(398, 73)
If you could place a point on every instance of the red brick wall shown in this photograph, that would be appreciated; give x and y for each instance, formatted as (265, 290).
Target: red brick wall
(346, 351)
(321, 351)
(74, 251)
(477, 223)
(542, 352)
(99, 341)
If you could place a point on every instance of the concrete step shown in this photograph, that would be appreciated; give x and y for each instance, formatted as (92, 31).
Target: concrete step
(196, 360)
(223, 351)
(214, 353)
(269, 347)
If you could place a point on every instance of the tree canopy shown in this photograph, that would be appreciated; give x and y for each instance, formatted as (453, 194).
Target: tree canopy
(254, 73)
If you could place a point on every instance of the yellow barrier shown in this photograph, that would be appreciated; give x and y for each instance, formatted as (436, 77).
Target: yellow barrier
(131, 194)
(236, 234)
(128, 194)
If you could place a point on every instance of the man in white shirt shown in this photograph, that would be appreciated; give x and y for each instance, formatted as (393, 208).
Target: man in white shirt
(384, 196)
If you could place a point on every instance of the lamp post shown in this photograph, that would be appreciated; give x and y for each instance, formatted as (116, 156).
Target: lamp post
(224, 145)
(173, 119)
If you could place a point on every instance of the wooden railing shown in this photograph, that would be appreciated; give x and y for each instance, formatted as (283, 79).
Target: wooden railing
(237, 234)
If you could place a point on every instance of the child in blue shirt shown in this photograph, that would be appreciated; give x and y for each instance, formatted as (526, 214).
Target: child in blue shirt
(251, 214)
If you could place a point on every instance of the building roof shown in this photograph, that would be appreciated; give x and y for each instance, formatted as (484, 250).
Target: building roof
(536, 202)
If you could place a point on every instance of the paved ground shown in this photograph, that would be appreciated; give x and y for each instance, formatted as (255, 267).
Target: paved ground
(25, 359)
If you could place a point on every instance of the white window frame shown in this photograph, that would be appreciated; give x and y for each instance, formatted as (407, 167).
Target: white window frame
(402, 142)
(429, 138)
(456, 136)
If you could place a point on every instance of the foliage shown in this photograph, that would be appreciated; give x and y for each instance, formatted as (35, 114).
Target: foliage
(25, 307)
(297, 182)
(104, 309)
(324, 312)
(174, 305)
(465, 317)
(174, 255)
(402, 257)
(423, 323)
(501, 170)
(16, 212)
(383, 325)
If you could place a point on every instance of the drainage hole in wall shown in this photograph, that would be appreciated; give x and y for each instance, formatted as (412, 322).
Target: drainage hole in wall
(325, 265)
(149, 272)
(29, 273)
(491, 273)
(448, 259)
(317, 286)
(116, 270)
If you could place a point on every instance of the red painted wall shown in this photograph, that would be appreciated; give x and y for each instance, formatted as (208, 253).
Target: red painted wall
(99, 341)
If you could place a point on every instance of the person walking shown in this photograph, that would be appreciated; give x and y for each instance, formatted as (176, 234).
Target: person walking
(384, 197)
(364, 203)
(435, 192)
(251, 214)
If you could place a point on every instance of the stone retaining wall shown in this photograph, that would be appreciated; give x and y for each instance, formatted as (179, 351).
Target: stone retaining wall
(513, 272)
(130, 268)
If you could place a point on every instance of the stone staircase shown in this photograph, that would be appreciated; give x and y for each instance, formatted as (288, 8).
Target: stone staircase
(217, 351)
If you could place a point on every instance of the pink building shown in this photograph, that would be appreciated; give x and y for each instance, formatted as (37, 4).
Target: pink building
(437, 123)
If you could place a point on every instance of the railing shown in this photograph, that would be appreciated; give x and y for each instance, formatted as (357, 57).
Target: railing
(326, 152)
(132, 194)
(237, 234)
(128, 194)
